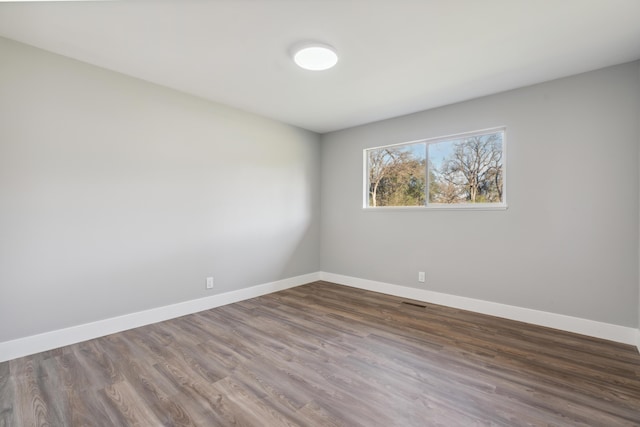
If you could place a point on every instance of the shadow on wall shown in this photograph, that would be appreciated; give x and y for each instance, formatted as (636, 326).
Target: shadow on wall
(89, 266)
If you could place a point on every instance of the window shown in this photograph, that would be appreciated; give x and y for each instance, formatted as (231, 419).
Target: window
(458, 171)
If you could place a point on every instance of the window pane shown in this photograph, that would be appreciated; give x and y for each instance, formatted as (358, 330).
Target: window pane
(397, 175)
(467, 170)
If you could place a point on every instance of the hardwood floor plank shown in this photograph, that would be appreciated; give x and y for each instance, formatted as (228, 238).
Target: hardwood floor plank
(7, 397)
(31, 406)
(327, 355)
(246, 409)
(88, 408)
(129, 405)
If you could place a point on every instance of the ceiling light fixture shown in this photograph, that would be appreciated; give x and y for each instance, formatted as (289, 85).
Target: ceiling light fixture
(315, 56)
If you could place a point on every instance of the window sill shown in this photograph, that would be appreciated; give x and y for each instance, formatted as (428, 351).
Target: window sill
(478, 207)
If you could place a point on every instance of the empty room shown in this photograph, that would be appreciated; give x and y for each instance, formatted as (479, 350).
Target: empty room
(320, 213)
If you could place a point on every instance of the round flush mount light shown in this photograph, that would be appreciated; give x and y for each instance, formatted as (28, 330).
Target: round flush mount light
(315, 56)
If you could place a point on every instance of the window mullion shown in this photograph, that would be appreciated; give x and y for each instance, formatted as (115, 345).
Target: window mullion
(427, 177)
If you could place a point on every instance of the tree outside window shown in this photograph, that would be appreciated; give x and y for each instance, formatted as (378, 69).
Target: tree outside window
(462, 170)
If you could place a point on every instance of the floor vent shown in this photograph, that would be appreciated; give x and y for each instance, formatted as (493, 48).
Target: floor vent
(414, 304)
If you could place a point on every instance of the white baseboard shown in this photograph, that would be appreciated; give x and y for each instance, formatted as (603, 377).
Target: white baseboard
(59, 338)
(62, 337)
(587, 327)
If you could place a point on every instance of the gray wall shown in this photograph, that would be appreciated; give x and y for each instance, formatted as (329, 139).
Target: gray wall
(568, 243)
(117, 195)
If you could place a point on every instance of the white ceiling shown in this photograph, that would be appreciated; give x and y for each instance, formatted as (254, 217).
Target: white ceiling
(396, 56)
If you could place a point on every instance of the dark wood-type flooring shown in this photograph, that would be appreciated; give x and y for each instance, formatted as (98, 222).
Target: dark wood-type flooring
(327, 355)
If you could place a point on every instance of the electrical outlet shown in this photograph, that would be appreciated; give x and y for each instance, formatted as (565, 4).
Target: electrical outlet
(421, 276)
(209, 282)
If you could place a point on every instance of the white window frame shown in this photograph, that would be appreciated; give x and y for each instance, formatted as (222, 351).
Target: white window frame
(439, 206)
